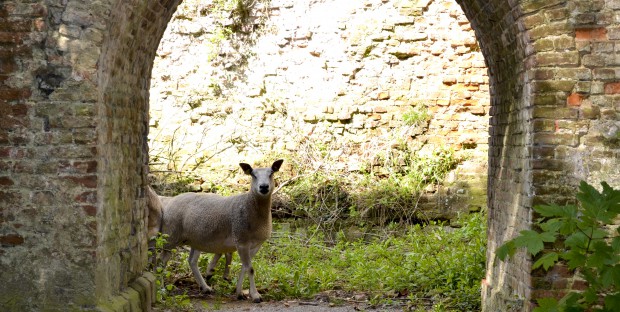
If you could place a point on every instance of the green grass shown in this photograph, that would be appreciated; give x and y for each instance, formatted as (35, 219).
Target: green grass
(423, 267)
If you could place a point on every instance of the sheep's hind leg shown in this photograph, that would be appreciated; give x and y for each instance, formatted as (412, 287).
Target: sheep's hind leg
(193, 264)
(212, 265)
(226, 275)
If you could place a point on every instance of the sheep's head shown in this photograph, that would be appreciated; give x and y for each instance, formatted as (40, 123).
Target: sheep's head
(262, 178)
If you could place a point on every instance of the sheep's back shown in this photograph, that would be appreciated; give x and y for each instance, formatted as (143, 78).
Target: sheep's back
(201, 220)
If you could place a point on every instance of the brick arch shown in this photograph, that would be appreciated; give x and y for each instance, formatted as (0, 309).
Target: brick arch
(124, 70)
(505, 45)
(74, 81)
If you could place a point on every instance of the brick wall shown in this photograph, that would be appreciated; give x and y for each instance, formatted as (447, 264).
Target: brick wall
(551, 75)
(74, 80)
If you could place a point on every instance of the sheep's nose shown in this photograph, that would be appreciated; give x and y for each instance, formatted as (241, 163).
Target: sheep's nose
(263, 188)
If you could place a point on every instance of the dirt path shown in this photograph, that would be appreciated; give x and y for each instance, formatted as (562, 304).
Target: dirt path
(220, 303)
(281, 306)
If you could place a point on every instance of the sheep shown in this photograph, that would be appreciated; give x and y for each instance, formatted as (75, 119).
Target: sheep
(156, 205)
(220, 225)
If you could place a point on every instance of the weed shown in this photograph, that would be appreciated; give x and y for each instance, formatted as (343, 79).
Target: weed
(391, 194)
(416, 116)
(167, 293)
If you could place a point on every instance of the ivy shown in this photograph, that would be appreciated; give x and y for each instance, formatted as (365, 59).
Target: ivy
(585, 238)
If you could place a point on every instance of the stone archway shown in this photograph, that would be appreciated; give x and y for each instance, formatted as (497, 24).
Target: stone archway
(74, 100)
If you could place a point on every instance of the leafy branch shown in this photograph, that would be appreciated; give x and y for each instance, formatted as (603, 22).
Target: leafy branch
(583, 236)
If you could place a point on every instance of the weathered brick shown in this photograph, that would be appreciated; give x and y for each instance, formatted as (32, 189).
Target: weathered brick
(585, 18)
(590, 112)
(90, 210)
(11, 240)
(614, 33)
(43, 198)
(6, 181)
(557, 14)
(543, 86)
(591, 34)
(534, 20)
(544, 125)
(612, 88)
(594, 60)
(89, 181)
(557, 58)
(12, 94)
(604, 73)
(12, 51)
(556, 139)
(7, 66)
(77, 166)
(574, 99)
(555, 112)
(535, 5)
(13, 38)
(550, 29)
(89, 197)
(17, 26)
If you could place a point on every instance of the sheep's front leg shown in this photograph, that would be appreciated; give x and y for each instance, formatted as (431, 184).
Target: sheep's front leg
(193, 264)
(246, 267)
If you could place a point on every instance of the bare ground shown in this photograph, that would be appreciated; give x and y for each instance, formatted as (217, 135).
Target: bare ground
(330, 301)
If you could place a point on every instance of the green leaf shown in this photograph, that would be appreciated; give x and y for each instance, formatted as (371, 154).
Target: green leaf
(612, 196)
(547, 261)
(552, 225)
(570, 302)
(505, 250)
(590, 295)
(609, 275)
(531, 240)
(601, 256)
(548, 237)
(575, 258)
(547, 305)
(612, 302)
(568, 226)
(577, 240)
(615, 243)
(588, 196)
(556, 211)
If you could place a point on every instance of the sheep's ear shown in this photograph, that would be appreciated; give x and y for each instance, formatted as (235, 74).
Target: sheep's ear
(247, 169)
(276, 165)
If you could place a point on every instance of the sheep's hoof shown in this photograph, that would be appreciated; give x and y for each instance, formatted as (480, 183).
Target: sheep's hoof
(207, 290)
(240, 297)
(257, 300)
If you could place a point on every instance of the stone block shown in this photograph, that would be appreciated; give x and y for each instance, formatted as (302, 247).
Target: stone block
(133, 299)
(115, 304)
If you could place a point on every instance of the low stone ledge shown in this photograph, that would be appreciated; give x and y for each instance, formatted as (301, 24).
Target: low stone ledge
(138, 297)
